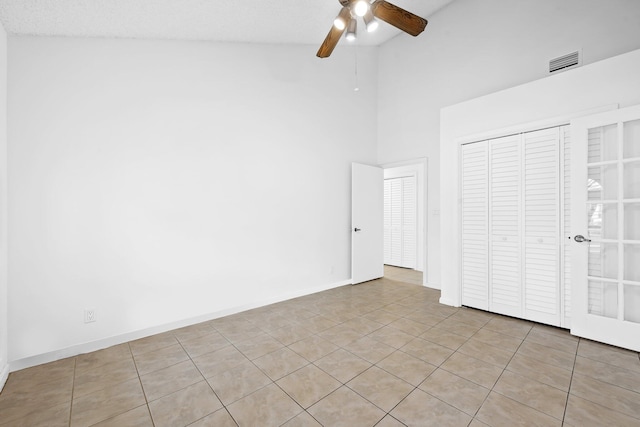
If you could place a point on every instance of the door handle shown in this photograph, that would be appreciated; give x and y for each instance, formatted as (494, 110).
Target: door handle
(580, 238)
(356, 229)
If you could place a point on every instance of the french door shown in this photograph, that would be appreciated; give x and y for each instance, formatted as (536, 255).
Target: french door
(605, 181)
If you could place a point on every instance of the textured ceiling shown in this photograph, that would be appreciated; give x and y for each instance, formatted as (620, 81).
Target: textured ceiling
(253, 21)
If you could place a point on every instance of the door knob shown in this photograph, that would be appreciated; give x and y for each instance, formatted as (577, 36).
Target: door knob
(580, 238)
(356, 229)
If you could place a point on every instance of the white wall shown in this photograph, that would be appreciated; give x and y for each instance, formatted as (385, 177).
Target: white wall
(572, 93)
(472, 48)
(161, 181)
(4, 367)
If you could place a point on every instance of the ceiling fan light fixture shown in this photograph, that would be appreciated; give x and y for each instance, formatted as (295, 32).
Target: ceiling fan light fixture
(361, 7)
(351, 30)
(370, 21)
(375, 12)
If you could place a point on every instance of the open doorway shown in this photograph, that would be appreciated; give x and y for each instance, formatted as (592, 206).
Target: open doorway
(405, 227)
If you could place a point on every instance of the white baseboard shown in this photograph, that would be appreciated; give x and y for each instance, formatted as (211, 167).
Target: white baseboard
(432, 286)
(449, 302)
(4, 374)
(88, 347)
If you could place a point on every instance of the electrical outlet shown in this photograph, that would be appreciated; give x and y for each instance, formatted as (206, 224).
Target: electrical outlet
(89, 315)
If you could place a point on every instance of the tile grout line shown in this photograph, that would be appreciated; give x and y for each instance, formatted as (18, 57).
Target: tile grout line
(566, 404)
(135, 364)
(505, 369)
(273, 381)
(73, 386)
(388, 413)
(500, 376)
(313, 363)
(203, 377)
(473, 417)
(602, 380)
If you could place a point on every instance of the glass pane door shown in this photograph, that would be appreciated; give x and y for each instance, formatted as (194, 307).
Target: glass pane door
(606, 220)
(613, 218)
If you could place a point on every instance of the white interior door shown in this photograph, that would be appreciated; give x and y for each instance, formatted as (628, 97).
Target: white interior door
(367, 241)
(605, 180)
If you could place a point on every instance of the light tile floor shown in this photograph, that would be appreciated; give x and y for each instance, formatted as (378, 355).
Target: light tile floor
(406, 275)
(382, 353)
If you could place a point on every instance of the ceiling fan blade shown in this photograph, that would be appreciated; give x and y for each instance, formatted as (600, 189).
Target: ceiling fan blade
(334, 35)
(398, 17)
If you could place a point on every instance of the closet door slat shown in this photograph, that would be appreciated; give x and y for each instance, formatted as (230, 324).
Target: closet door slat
(505, 224)
(475, 224)
(541, 192)
(409, 222)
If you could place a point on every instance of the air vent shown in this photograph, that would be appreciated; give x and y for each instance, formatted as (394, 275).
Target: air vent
(565, 61)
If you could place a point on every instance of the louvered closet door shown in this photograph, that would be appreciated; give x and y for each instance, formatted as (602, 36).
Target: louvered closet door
(541, 256)
(393, 222)
(475, 225)
(387, 221)
(505, 272)
(409, 222)
(400, 226)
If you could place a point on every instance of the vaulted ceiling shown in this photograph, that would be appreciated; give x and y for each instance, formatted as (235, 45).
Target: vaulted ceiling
(256, 21)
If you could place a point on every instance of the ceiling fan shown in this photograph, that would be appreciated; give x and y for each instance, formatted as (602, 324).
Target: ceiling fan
(380, 9)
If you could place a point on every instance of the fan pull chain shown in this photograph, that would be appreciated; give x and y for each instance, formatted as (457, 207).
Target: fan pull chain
(356, 88)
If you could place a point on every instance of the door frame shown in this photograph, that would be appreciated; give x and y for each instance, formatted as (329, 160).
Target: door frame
(419, 166)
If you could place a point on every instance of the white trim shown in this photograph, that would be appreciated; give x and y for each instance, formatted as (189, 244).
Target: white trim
(565, 119)
(402, 163)
(435, 286)
(75, 350)
(4, 374)
(449, 302)
(401, 172)
(562, 231)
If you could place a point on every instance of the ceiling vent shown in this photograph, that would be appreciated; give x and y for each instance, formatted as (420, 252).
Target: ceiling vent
(565, 61)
